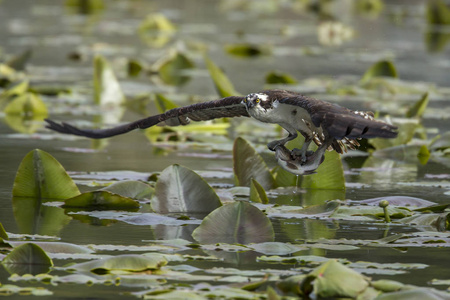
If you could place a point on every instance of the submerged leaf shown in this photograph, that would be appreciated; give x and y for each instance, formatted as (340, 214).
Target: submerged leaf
(41, 176)
(27, 258)
(248, 165)
(101, 200)
(239, 222)
(223, 85)
(382, 68)
(180, 189)
(107, 90)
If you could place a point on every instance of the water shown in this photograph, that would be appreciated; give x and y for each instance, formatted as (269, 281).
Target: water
(53, 32)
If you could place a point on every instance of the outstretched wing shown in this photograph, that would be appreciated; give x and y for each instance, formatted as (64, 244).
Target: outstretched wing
(339, 122)
(221, 108)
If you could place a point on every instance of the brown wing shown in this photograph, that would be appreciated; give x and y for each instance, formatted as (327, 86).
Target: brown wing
(225, 107)
(339, 122)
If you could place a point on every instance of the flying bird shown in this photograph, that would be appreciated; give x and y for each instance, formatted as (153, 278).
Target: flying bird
(329, 126)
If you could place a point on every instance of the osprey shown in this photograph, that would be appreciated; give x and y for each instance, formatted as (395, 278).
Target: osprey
(329, 126)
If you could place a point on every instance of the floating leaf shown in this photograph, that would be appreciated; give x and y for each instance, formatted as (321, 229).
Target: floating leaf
(415, 293)
(330, 174)
(276, 248)
(9, 289)
(134, 68)
(27, 258)
(56, 247)
(333, 279)
(382, 68)
(101, 200)
(28, 104)
(280, 78)
(438, 13)
(223, 85)
(239, 222)
(156, 22)
(107, 90)
(248, 165)
(85, 7)
(439, 221)
(417, 110)
(122, 263)
(257, 193)
(179, 189)
(163, 103)
(247, 50)
(41, 176)
(131, 189)
(171, 67)
(403, 201)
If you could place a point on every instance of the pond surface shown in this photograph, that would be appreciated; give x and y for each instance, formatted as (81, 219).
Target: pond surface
(56, 32)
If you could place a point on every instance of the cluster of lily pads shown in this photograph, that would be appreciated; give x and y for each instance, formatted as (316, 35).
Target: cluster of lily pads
(237, 219)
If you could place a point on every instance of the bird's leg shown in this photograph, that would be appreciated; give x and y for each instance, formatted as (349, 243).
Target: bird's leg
(303, 152)
(274, 144)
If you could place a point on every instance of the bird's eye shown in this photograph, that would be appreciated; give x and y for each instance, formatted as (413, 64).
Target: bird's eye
(258, 100)
(245, 100)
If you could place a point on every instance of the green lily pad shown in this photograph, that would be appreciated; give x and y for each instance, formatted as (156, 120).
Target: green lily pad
(333, 279)
(170, 68)
(9, 289)
(134, 68)
(27, 258)
(438, 13)
(239, 222)
(56, 247)
(41, 176)
(382, 68)
(247, 50)
(276, 248)
(180, 189)
(248, 165)
(329, 176)
(280, 78)
(222, 83)
(131, 189)
(101, 200)
(107, 90)
(257, 193)
(417, 110)
(28, 104)
(156, 22)
(127, 263)
(3, 233)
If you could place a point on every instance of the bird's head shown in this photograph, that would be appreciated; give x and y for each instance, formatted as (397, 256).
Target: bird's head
(257, 100)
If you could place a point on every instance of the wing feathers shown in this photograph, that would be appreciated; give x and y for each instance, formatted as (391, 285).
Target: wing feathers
(225, 107)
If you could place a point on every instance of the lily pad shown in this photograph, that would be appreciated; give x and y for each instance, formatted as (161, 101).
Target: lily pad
(333, 279)
(156, 22)
(280, 78)
(101, 200)
(438, 13)
(247, 50)
(257, 193)
(131, 189)
(163, 103)
(27, 258)
(239, 222)
(41, 176)
(170, 68)
(248, 165)
(382, 68)
(329, 176)
(28, 104)
(107, 90)
(417, 110)
(127, 263)
(223, 85)
(179, 189)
